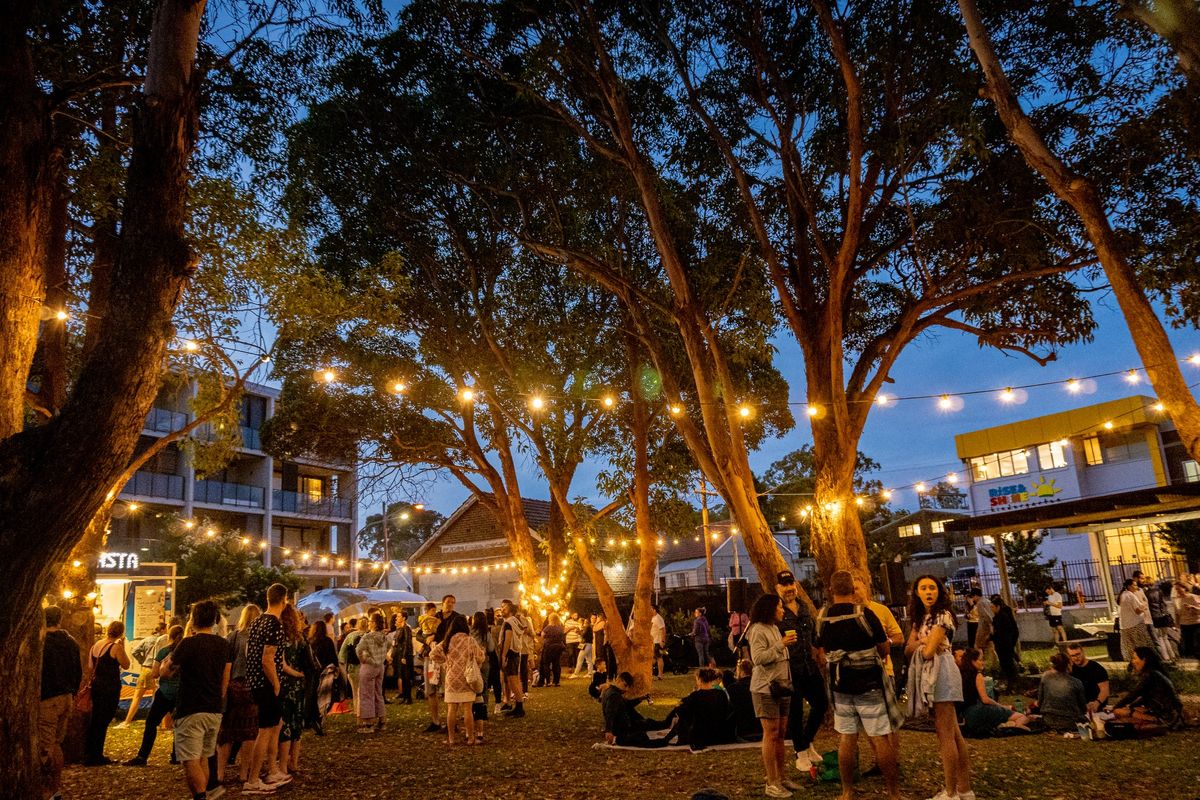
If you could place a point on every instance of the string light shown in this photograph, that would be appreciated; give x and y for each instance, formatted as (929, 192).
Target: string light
(399, 387)
(1008, 395)
(467, 395)
(883, 400)
(812, 410)
(1132, 376)
(133, 506)
(1194, 359)
(1108, 426)
(328, 376)
(952, 477)
(675, 411)
(609, 401)
(920, 487)
(745, 411)
(1074, 386)
(945, 402)
(1159, 407)
(886, 494)
(191, 345)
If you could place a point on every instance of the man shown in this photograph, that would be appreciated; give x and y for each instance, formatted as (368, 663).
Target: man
(1093, 677)
(895, 635)
(974, 601)
(512, 650)
(1160, 619)
(202, 662)
(658, 635)
(446, 616)
(61, 675)
(623, 725)
(404, 658)
(264, 663)
(852, 639)
(1006, 635)
(144, 654)
(1054, 609)
(807, 680)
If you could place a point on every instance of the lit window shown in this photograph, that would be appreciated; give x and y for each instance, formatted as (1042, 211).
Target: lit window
(312, 488)
(938, 526)
(908, 531)
(1092, 452)
(1052, 455)
(1191, 471)
(999, 465)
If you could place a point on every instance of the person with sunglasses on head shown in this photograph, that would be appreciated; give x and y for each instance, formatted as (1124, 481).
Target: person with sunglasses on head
(807, 678)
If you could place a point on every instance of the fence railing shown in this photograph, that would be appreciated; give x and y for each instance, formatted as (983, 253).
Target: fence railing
(1083, 578)
(161, 420)
(154, 484)
(229, 494)
(300, 503)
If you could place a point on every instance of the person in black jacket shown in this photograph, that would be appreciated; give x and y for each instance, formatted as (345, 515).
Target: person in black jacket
(745, 722)
(623, 725)
(62, 672)
(1153, 701)
(1005, 636)
(705, 717)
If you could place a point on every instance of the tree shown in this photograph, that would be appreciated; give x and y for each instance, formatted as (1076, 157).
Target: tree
(841, 158)
(788, 487)
(1026, 567)
(1079, 191)
(407, 529)
(1184, 539)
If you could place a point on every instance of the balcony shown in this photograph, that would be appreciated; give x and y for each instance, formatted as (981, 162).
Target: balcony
(309, 506)
(251, 438)
(229, 494)
(160, 420)
(154, 484)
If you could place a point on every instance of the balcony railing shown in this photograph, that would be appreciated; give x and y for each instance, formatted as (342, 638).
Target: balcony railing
(153, 484)
(299, 503)
(251, 438)
(161, 420)
(229, 494)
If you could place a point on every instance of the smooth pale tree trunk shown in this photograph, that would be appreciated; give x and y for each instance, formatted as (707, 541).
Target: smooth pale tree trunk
(1149, 336)
(53, 478)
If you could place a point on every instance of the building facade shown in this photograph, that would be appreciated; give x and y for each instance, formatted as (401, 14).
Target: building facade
(299, 512)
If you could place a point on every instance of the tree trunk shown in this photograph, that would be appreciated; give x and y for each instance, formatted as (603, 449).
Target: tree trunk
(1149, 336)
(1177, 22)
(54, 478)
(836, 537)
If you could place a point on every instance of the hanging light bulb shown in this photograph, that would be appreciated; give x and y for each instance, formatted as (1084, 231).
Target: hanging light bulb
(812, 410)
(952, 477)
(1074, 386)
(399, 387)
(61, 316)
(537, 403)
(1008, 395)
(1159, 407)
(1108, 426)
(883, 399)
(745, 411)
(920, 487)
(328, 376)
(467, 395)
(886, 494)
(609, 401)
(1194, 359)
(676, 410)
(945, 402)
(1132, 376)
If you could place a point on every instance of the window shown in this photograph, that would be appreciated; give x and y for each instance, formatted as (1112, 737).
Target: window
(254, 411)
(312, 488)
(958, 552)
(1191, 471)
(1000, 465)
(908, 531)
(1052, 456)
(938, 526)
(1091, 451)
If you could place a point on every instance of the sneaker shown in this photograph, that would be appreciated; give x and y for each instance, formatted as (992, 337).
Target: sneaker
(772, 790)
(943, 796)
(136, 761)
(790, 785)
(120, 726)
(966, 796)
(257, 787)
(279, 779)
(803, 762)
(814, 756)
(215, 792)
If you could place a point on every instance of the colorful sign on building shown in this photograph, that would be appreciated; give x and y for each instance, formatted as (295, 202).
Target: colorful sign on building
(1021, 494)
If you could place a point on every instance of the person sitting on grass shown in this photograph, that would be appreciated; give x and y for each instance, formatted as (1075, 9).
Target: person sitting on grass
(623, 725)
(1061, 700)
(982, 715)
(744, 720)
(599, 678)
(705, 716)
(1153, 702)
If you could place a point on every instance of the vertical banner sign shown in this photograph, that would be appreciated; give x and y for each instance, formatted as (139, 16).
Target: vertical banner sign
(148, 610)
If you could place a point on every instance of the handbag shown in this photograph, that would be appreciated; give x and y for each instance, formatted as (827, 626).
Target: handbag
(474, 677)
(83, 698)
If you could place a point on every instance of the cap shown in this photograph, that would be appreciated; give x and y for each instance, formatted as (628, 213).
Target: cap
(785, 576)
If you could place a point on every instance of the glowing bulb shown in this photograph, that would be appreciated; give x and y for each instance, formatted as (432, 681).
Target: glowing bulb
(952, 477)
(920, 487)
(341, 562)
(609, 401)
(210, 533)
(419, 506)
(1159, 407)
(404, 515)
(612, 542)
(886, 494)
(90, 595)
(716, 537)
(77, 564)
(1064, 442)
(1073, 386)
(1132, 376)
(191, 346)
(189, 524)
(1194, 360)
(467, 395)
(324, 559)
(245, 540)
(262, 545)
(744, 411)
(399, 387)
(945, 402)
(883, 400)
(1008, 395)
(329, 376)
(133, 506)
(67, 594)
(61, 316)
(675, 410)
(537, 403)
(1108, 426)
(287, 551)
(812, 410)
(858, 501)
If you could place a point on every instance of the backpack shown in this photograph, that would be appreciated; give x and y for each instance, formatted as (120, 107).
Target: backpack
(524, 639)
(144, 649)
(352, 650)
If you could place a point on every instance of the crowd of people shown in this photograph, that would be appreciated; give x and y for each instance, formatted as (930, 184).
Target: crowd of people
(240, 701)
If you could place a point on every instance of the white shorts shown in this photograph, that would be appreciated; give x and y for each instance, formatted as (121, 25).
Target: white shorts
(865, 712)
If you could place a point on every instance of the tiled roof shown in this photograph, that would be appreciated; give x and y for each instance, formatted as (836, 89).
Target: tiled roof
(473, 521)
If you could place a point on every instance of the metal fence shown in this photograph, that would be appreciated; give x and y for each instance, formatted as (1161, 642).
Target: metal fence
(153, 484)
(1077, 579)
(229, 494)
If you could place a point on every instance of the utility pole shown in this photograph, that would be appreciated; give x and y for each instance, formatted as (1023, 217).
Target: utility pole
(387, 555)
(708, 568)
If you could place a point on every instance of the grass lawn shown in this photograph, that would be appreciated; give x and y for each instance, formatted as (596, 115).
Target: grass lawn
(548, 755)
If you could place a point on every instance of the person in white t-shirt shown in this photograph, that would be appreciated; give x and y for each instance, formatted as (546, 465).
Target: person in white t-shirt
(1054, 610)
(658, 635)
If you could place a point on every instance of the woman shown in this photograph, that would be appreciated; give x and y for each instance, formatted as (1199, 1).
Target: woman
(163, 702)
(458, 650)
(982, 715)
(319, 695)
(1005, 636)
(585, 657)
(933, 674)
(371, 650)
(1153, 701)
(1187, 614)
(1061, 699)
(108, 658)
(573, 627)
(239, 723)
(702, 637)
(495, 679)
(770, 686)
(1131, 604)
(482, 635)
(554, 643)
(296, 661)
(348, 655)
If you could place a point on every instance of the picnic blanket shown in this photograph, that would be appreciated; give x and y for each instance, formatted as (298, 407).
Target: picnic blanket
(681, 747)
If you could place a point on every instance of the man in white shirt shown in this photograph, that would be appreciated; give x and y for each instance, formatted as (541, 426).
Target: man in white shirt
(1054, 609)
(658, 635)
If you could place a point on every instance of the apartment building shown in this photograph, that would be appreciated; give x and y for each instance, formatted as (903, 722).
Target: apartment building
(299, 512)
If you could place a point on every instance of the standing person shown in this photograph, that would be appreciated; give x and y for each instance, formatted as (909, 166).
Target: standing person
(264, 665)
(61, 675)
(586, 653)
(852, 639)
(402, 657)
(348, 656)
(554, 644)
(895, 635)
(240, 721)
(1187, 614)
(572, 626)
(658, 636)
(511, 649)
(495, 678)
(201, 664)
(482, 635)
(807, 680)
(600, 642)
(974, 601)
(1053, 605)
(372, 653)
(108, 658)
(1005, 635)
(983, 635)
(297, 660)
(702, 637)
(739, 621)
(1132, 614)
(163, 702)
(324, 654)
(934, 676)
(770, 687)
(457, 650)
(144, 655)
(1161, 621)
